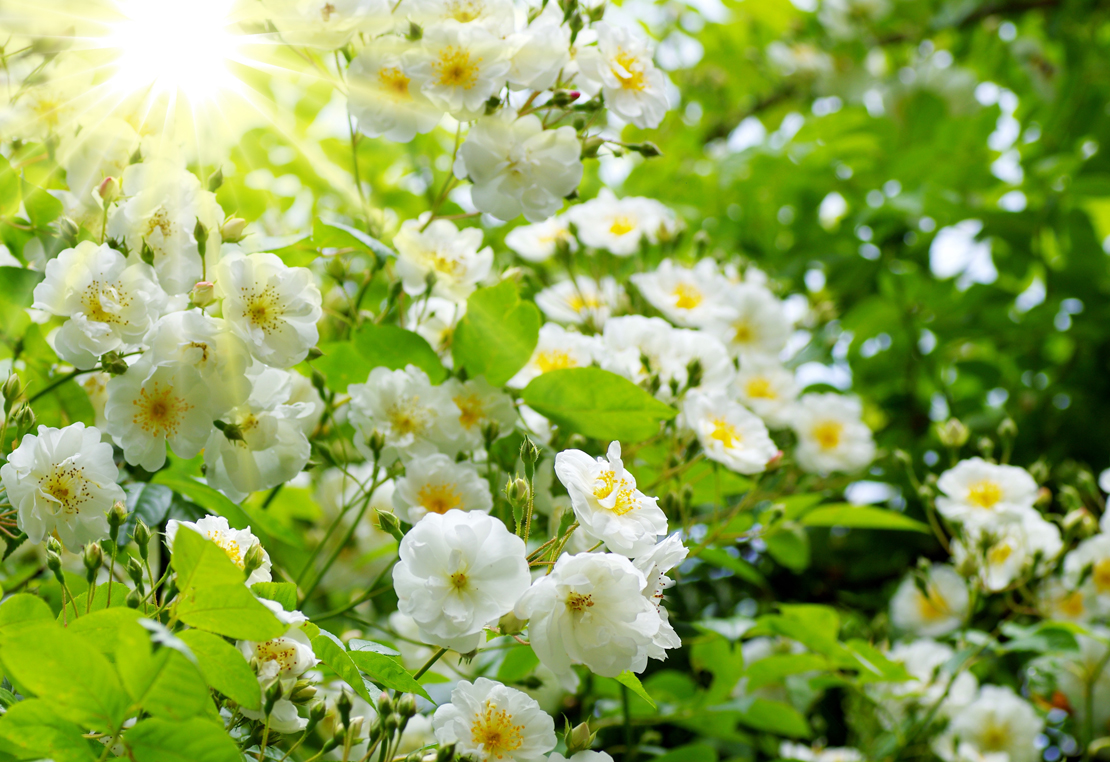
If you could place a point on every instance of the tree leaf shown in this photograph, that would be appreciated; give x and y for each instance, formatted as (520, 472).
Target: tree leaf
(598, 404)
(199, 561)
(774, 717)
(284, 593)
(22, 611)
(387, 672)
(336, 235)
(42, 208)
(376, 346)
(632, 683)
(149, 502)
(498, 333)
(861, 517)
(789, 545)
(36, 731)
(162, 680)
(224, 668)
(230, 610)
(194, 740)
(102, 627)
(331, 652)
(773, 668)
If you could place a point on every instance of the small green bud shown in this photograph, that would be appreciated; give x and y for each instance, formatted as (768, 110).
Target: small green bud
(647, 149)
(24, 418)
(232, 230)
(94, 559)
(200, 232)
(445, 753)
(1007, 429)
(336, 740)
(490, 432)
(112, 363)
(302, 692)
(416, 32)
(135, 571)
(953, 433)
(314, 353)
(591, 146)
(146, 253)
(141, 535)
(392, 723)
(385, 704)
(529, 453)
(492, 105)
(54, 545)
(985, 446)
(117, 514)
(343, 705)
(693, 374)
(516, 492)
(12, 390)
(406, 705)
(316, 713)
(108, 190)
(390, 524)
(216, 179)
(232, 431)
(376, 443)
(510, 624)
(203, 293)
(54, 563)
(254, 558)
(579, 738)
(134, 599)
(273, 695)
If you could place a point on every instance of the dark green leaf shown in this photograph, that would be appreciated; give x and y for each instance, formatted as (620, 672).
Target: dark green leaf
(386, 672)
(224, 668)
(333, 654)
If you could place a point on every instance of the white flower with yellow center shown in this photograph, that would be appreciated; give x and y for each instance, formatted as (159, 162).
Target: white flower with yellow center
(925, 661)
(109, 305)
(803, 753)
(163, 203)
(497, 17)
(978, 492)
(437, 484)
(435, 319)
(753, 322)
(654, 565)
(458, 67)
(831, 433)
(1090, 563)
(582, 300)
(729, 433)
(557, 349)
(273, 307)
(591, 610)
(618, 225)
(1002, 553)
(151, 406)
(414, 417)
(1057, 599)
(382, 96)
(932, 606)
(518, 167)
(282, 659)
(453, 257)
(480, 405)
(490, 722)
(542, 51)
(537, 243)
(62, 481)
(607, 504)
(459, 573)
(236, 543)
(622, 64)
(326, 24)
(998, 722)
(767, 389)
(263, 442)
(211, 347)
(686, 296)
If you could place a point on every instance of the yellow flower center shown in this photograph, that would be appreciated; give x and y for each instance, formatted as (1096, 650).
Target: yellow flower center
(932, 607)
(160, 220)
(394, 81)
(458, 581)
(471, 410)
(580, 303)
(633, 76)
(555, 359)
(828, 434)
(607, 484)
(494, 731)
(456, 68)
(999, 553)
(994, 737)
(262, 308)
(439, 498)
(579, 603)
(743, 332)
(67, 485)
(1100, 574)
(158, 411)
(687, 296)
(725, 433)
(760, 389)
(1072, 605)
(405, 418)
(229, 546)
(984, 494)
(464, 12)
(278, 650)
(622, 225)
(326, 11)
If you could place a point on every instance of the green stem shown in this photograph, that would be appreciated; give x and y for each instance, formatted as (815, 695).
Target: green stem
(428, 664)
(109, 745)
(629, 752)
(343, 543)
(56, 384)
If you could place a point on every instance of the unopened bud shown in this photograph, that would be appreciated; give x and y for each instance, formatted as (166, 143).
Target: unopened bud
(385, 704)
(445, 753)
(216, 179)
(343, 706)
(406, 705)
(693, 374)
(24, 418)
(1081, 522)
(490, 432)
(354, 727)
(232, 431)
(200, 233)
(516, 492)
(134, 599)
(591, 146)
(135, 571)
(94, 558)
(146, 253)
(254, 558)
(647, 149)
(141, 535)
(203, 293)
(492, 105)
(54, 563)
(985, 446)
(108, 190)
(953, 433)
(376, 443)
(303, 691)
(314, 353)
(1007, 429)
(336, 740)
(232, 229)
(510, 624)
(11, 390)
(529, 453)
(579, 738)
(53, 544)
(561, 98)
(389, 524)
(113, 364)
(416, 32)
(392, 723)
(117, 514)
(316, 713)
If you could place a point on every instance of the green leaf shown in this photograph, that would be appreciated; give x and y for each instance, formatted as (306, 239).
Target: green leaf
(498, 333)
(598, 404)
(342, 365)
(742, 569)
(157, 740)
(22, 611)
(332, 653)
(774, 717)
(230, 610)
(149, 502)
(789, 545)
(32, 729)
(774, 668)
(9, 189)
(162, 680)
(224, 668)
(199, 561)
(861, 517)
(18, 286)
(518, 664)
(694, 752)
(387, 672)
(376, 346)
(102, 627)
(336, 235)
(632, 683)
(41, 207)
(284, 593)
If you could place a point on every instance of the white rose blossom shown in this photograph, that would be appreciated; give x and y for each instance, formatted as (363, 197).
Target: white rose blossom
(997, 721)
(383, 98)
(654, 565)
(729, 433)
(582, 300)
(635, 90)
(686, 296)
(619, 225)
(284, 659)
(831, 434)
(481, 405)
(458, 67)
(494, 723)
(753, 322)
(767, 389)
(1092, 558)
(1003, 553)
(935, 612)
(415, 417)
(557, 349)
(437, 484)
(537, 243)
(978, 492)
(453, 256)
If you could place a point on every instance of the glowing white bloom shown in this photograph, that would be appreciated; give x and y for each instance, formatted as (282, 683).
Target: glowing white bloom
(590, 610)
(606, 502)
(453, 256)
(437, 484)
(933, 613)
(638, 348)
(109, 305)
(518, 167)
(1057, 599)
(654, 565)
(459, 573)
(803, 753)
(537, 243)
(753, 323)
(494, 16)
(236, 543)
(164, 202)
(1002, 553)
(542, 50)
(458, 67)
(151, 406)
(686, 296)
(208, 345)
(618, 225)
(582, 300)
(415, 417)
(480, 405)
(382, 96)
(273, 307)
(831, 434)
(262, 443)
(729, 433)
(925, 661)
(96, 153)
(1093, 554)
(63, 481)
(284, 658)
(622, 64)
(489, 721)
(557, 349)
(327, 24)
(767, 389)
(998, 723)
(978, 492)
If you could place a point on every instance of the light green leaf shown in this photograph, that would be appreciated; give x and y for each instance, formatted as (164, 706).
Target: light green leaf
(336, 235)
(694, 752)
(632, 683)
(775, 667)
(22, 611)
(376, 346)
(861, 517)
(17, 285)
(204, 496)
(284, 593)
(498, 333)
(162, 680)
(42, 208)
(33, 730)
(387, 672)
(9, 189)
(102, 627)
(199, 561)
(335, 656)
(518, 664)
(230, 610)
(224, 668)
(774, 717)
(157, 740)
(598, 404)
